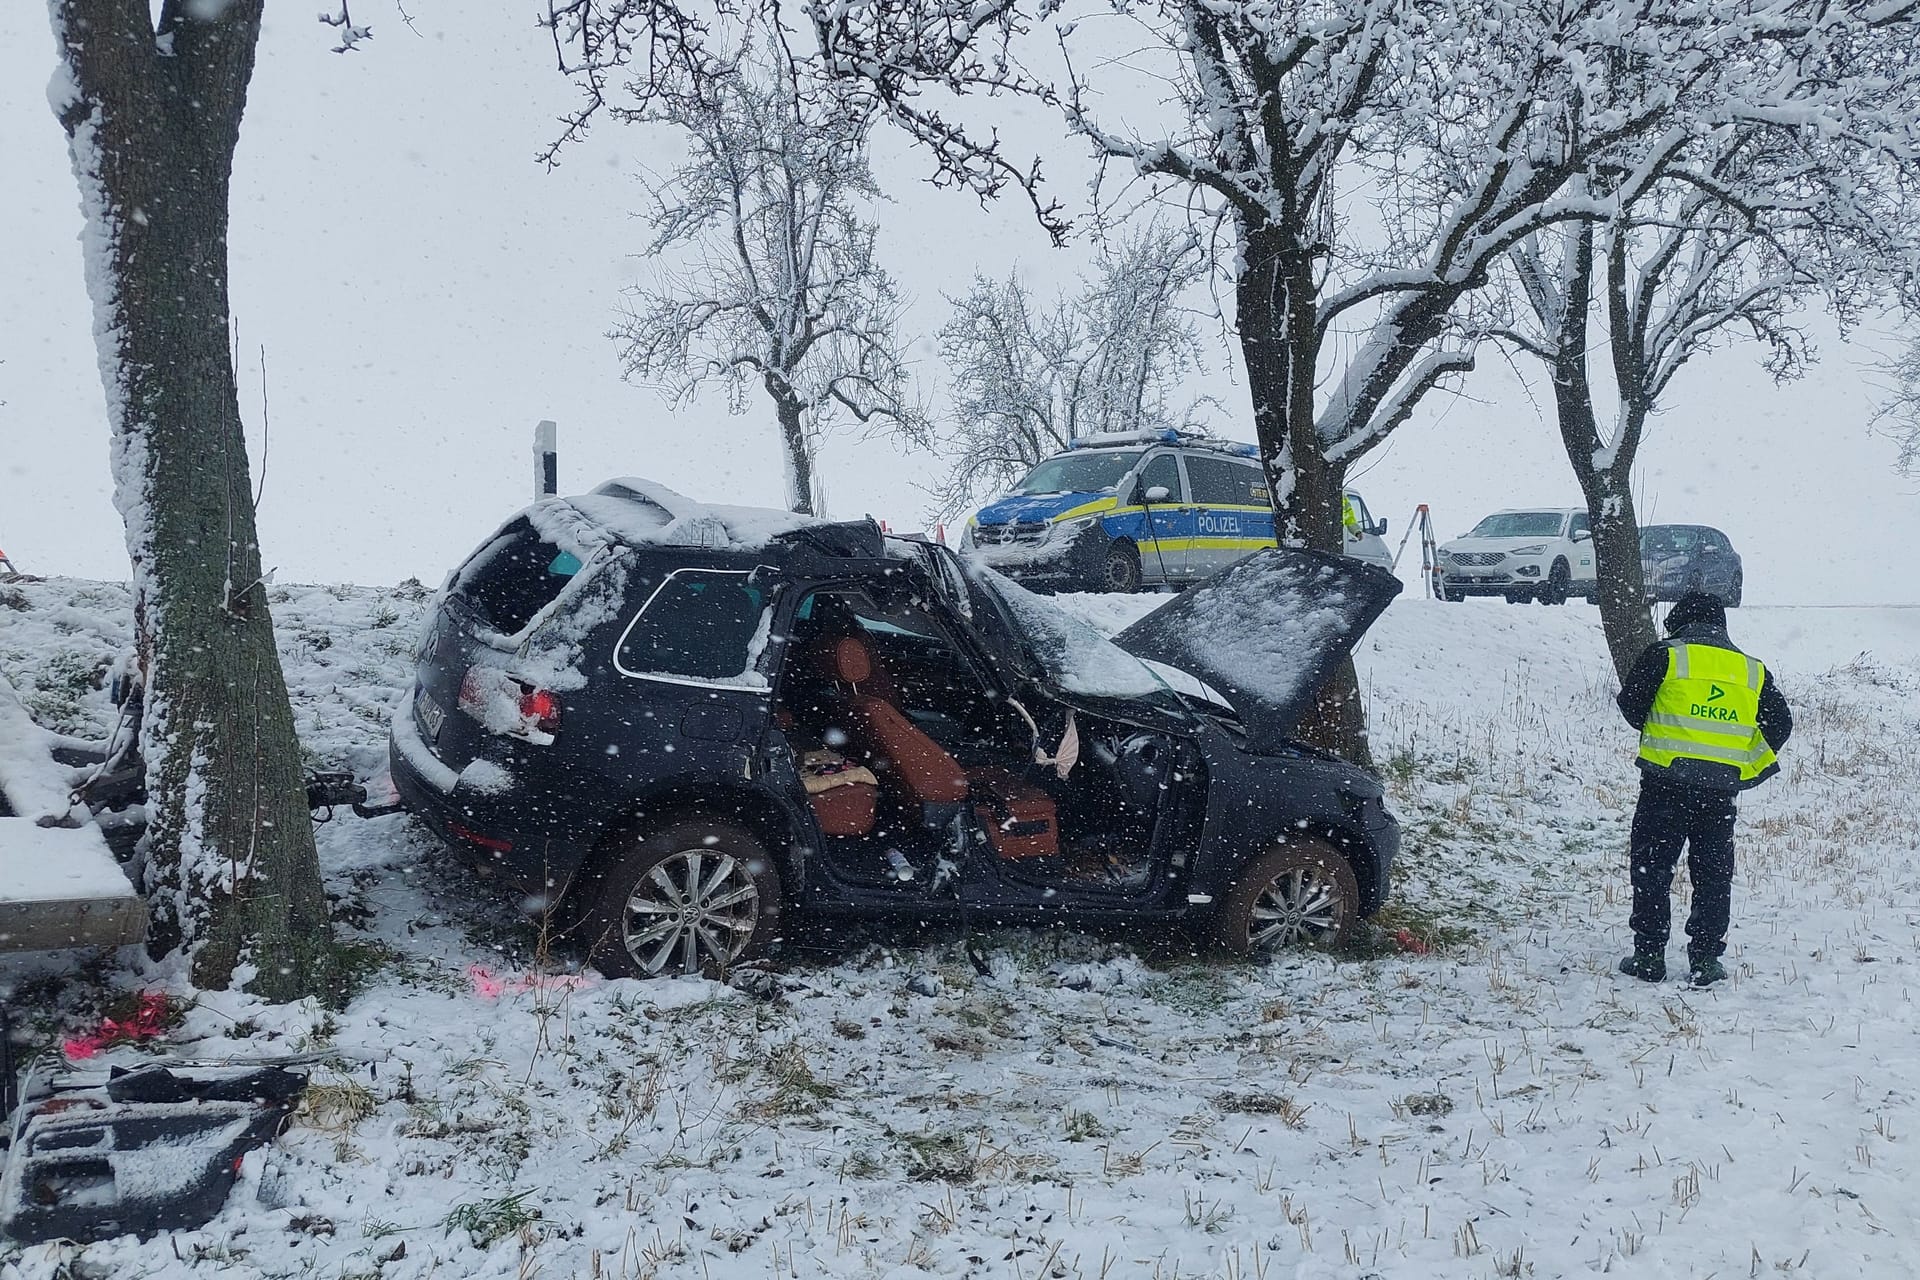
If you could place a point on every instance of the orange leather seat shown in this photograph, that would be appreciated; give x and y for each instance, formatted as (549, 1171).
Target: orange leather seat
(1019, 818)
(909, 763)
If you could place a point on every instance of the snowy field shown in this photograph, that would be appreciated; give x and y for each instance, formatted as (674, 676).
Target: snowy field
(1502, 1104)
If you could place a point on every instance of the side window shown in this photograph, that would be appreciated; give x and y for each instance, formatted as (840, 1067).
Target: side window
(1360, 512)
(1580, 525)
(1685, 540)
(1711, 540)
(1216, 482)
(1164, 470)
(699, 624)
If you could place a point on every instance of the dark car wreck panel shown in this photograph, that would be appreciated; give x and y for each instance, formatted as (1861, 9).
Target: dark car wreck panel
(679, 719)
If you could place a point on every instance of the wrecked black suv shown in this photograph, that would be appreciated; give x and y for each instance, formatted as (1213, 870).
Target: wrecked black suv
(676, 722)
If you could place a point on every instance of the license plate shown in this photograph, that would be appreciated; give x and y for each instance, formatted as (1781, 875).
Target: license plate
(430, 714)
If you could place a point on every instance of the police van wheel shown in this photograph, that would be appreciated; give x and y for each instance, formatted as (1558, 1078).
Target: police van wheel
(1122, 569)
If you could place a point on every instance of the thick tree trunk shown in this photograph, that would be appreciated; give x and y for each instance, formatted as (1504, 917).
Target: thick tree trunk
(799, 450)
(1604, 472)
(1275, 302)
(153, 120)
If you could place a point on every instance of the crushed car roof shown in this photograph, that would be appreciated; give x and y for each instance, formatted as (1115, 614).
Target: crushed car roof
(643, 513)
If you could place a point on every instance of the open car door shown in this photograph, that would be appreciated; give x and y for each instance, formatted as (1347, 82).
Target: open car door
(1266, 632)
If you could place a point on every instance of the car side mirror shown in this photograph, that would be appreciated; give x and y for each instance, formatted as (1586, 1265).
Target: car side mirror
(1583, 535)
(1379, 529)
(1159, 493)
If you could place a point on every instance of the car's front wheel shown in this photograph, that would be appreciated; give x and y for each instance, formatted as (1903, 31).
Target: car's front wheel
(1559, 584)
(695, 897)
(1302, 893)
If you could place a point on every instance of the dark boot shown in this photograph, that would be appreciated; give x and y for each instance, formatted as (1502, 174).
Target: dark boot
(1706, 971)
(1647, 966)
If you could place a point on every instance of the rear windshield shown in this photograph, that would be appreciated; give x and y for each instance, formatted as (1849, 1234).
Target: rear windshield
(513, 577)
(1520, 524)
(700, 624)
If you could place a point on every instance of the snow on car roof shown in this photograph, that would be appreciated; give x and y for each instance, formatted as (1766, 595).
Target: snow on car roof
(644, 513)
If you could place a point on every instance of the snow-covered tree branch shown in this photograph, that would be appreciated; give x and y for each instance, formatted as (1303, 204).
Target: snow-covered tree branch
(1028, 379)
(779, 286)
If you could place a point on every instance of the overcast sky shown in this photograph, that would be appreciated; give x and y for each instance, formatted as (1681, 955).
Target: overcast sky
(425, 293)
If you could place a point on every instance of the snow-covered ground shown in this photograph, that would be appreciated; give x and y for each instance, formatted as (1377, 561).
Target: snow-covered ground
(1504, 1105)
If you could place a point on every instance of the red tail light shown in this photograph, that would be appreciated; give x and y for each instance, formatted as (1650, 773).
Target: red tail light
(511, 707)
(541, 707)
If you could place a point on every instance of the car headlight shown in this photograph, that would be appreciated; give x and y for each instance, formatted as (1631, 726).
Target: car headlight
(1537, 548)
(1446, 556)
(1067, 530)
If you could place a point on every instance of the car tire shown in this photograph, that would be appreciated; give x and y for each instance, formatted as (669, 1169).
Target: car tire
(1519, 597)
(645, 924)
(1120, 571)
(1301, 893)
(1557, 586)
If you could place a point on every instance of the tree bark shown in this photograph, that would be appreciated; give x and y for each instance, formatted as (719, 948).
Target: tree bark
(793, 437)
(1605, 473)
(153, 118)
(1275, 301)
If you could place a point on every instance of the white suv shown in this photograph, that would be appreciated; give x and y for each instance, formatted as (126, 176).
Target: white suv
(1522, 555)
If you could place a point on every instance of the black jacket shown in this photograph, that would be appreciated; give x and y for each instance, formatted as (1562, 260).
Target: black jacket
(1637, 692)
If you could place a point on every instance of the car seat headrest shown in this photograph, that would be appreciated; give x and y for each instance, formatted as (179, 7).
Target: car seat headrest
(846, 658)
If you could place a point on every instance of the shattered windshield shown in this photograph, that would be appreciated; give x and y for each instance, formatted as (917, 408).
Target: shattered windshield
(1070, 653)
(1086, 472)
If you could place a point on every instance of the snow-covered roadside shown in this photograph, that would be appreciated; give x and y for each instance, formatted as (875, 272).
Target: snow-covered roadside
(1504, 1105)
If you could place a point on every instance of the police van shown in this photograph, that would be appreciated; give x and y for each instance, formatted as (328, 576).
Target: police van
(1123, 511)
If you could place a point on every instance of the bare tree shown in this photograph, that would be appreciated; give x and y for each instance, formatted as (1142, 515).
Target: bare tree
(1899, 415)
(785, 290)
(152, 112)
(1743, 229)
(1028, 380)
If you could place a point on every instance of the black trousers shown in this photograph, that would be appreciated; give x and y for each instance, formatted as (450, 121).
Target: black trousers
(1667, 818)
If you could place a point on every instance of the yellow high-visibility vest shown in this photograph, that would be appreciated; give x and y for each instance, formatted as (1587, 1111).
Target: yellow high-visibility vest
(1708, 709)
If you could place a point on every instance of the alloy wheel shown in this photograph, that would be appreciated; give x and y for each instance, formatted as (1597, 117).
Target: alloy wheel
(693, 911)
(1300, 906)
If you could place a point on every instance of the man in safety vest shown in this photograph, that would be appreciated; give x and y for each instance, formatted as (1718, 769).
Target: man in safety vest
(1710, 720)
(1349, 519)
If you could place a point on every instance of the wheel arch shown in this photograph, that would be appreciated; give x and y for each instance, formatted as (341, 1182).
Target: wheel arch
(731, 801)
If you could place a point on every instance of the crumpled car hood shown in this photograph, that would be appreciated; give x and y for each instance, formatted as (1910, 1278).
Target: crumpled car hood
(1266, 632)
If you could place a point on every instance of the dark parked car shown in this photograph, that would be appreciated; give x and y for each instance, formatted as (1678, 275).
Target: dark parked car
(675, 722)
(1678, 558)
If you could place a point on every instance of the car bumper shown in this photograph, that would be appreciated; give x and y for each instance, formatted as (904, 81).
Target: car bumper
(507, 833)
(1075, 561)
(1493, 580)
(1381, 830)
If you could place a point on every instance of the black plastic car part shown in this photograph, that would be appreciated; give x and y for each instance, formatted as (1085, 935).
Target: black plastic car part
(151, 1149)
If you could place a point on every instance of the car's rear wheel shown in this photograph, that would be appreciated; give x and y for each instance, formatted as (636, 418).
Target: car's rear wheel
(1302, 893)
(695, 897)
(1558, 585)
(1121, 571)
